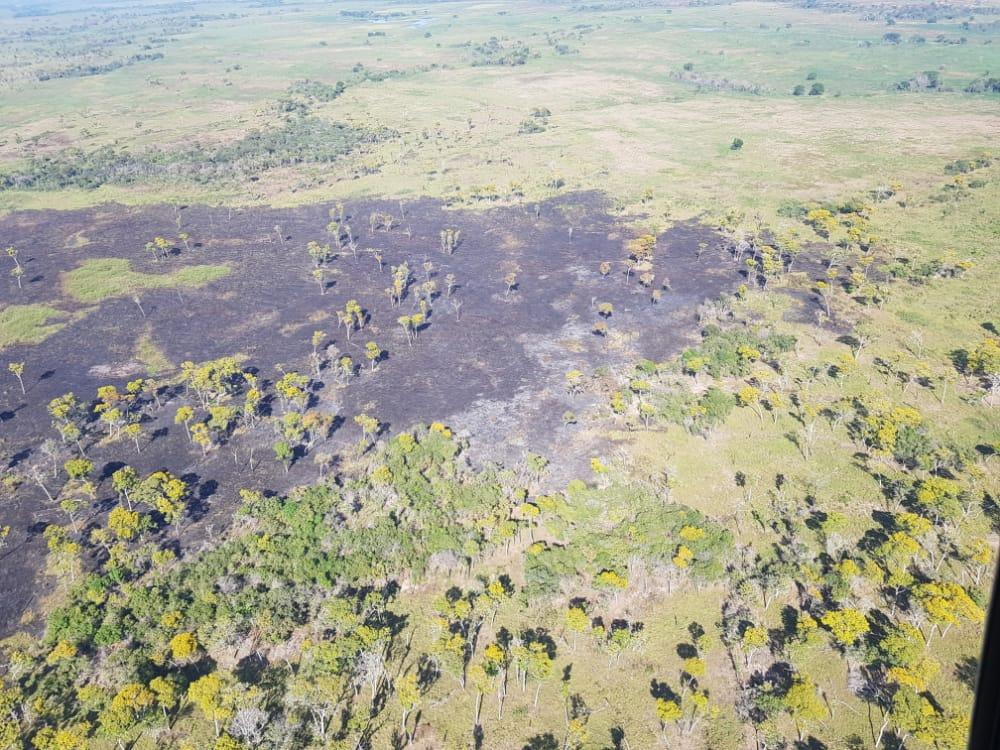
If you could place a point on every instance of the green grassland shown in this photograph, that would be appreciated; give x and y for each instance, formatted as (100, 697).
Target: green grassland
(28, 324)
(921, 324)
(92, 282)
(620, 123)
(99, 279)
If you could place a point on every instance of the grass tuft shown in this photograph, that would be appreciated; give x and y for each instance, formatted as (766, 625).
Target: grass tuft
(28, 324)
(104, 278)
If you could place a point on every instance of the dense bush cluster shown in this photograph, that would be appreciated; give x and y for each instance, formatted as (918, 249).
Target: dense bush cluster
(495, 51)
(732, 352)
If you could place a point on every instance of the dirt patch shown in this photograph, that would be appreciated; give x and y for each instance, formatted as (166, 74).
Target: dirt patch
(493, 368)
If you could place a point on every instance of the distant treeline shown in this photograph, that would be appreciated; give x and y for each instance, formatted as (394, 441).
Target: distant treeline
(301, 95)
(930, 80)
(618, 5)
(718, 84)
(929, 12)
(82, 70)
(984, 86)
(370, 15)
(304, 140)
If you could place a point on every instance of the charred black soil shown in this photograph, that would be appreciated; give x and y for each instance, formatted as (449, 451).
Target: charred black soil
(489, 362)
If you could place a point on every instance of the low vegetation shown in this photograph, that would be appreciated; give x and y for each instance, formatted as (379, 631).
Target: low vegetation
(99, 279)
(28, 324)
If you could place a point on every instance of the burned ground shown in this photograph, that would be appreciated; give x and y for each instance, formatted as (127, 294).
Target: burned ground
(494, 369)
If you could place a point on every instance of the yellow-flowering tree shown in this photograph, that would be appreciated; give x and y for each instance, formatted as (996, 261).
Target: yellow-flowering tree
(946, 604)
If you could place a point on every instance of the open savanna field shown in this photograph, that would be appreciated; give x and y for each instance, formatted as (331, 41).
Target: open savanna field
(625, 114)
(503, 375)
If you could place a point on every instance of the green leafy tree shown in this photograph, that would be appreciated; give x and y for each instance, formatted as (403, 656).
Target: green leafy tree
(373, 353)
(408, 696)
(284, 453)
(164, 493)
(754, 639)
(78, 468)
(167, 695)
(121, 717)
(212, 695)
(803, 703)
(320, 683)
